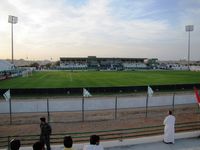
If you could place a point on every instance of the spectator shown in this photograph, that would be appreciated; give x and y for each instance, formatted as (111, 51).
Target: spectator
(38, 146)
(169, 123)
(45, 133)
(94, 143)
(68, 142)
(15, 144)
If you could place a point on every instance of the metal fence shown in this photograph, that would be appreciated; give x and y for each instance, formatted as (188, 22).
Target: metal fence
(117, 134)
(75, 109)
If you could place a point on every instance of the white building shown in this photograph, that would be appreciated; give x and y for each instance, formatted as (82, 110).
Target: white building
(5, 65)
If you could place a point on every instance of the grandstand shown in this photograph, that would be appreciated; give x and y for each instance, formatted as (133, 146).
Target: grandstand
(5, 69)
(92, 62)
(8, 70)
(5, 66)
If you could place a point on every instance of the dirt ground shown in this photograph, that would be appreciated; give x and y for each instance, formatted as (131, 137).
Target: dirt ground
(68, 122)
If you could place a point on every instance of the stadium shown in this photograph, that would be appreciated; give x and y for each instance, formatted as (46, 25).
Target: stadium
(99, 74)
(116, 95)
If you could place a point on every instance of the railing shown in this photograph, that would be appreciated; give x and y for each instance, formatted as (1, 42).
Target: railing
(117, 134)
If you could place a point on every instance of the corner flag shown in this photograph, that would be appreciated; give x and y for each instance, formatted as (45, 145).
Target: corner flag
(86, 93)
(197, 95)
(150, 91)
(7, 95)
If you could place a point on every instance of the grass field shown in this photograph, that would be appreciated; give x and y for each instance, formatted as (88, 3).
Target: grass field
(64, 79)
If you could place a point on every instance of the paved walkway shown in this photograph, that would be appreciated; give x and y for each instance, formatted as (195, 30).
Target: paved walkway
(182, 144)
(184, 141)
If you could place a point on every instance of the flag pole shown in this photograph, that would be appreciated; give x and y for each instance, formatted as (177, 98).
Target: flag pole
(116, 108)
(197, 97)
(149, 93)
(173, 102)
(48, 113)
(147, 99)
(10, 108)
(173, 99)
(83, 109)
(8, 98)
(198, 104)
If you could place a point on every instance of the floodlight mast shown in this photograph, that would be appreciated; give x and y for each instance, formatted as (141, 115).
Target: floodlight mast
(12, 20)
(188, 29)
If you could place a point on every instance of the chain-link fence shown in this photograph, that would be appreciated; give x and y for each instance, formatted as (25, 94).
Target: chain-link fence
(76, 109)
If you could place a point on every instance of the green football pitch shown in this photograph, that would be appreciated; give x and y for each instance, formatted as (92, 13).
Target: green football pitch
(68, 79)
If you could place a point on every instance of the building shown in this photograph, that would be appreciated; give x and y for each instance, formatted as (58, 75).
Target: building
(5, 66)
(92, 62)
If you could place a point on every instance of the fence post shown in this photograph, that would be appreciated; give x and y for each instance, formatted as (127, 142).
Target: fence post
(116, 108)
(147, 99)
(173, 102)
(48, 113)
(83, 109)
(8, 142)
(10, 109)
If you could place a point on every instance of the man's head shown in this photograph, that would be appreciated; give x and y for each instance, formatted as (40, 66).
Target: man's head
(94, 140)
(170, 112)
(38, 146)
(15, 144)
(42, 119)
(68, 142)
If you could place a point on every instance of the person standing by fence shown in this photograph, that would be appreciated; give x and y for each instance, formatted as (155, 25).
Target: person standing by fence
(45, 133)
(169, 130)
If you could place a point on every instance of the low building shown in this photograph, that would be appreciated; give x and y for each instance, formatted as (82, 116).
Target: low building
(6, 66)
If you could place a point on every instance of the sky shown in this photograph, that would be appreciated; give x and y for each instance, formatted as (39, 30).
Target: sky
(50, 29)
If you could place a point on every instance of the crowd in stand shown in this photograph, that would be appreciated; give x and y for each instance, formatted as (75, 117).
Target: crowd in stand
(5, 75)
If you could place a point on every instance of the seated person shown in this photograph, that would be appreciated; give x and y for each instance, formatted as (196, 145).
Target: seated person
(38, 146)
(15, 144)
(94, 143)
(68, 142)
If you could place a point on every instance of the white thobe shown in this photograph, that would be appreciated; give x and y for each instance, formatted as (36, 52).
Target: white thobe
(169, 123)
(93, 147)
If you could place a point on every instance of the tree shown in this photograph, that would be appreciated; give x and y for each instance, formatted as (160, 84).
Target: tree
(55, 64)
(48, 65)
(35, 64)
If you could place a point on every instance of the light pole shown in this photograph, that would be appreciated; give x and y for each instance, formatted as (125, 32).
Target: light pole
(188, 29)
(12, 20)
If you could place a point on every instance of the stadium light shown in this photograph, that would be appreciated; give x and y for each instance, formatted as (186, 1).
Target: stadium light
(188, 29)
(12, 20)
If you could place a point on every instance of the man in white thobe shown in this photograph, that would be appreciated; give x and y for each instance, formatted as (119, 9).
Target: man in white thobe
(169, 130)
(94, 143)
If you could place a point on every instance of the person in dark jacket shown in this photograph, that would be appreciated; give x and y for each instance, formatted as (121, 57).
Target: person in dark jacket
(45, 133)
(15, 144)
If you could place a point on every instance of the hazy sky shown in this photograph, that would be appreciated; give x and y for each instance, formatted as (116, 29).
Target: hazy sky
(103, 28)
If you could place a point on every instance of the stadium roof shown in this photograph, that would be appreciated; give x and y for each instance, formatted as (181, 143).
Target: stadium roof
(64, 58)
(5, 65)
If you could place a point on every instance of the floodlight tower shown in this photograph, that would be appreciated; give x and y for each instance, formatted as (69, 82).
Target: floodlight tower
(12, 20)
(189, 28)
